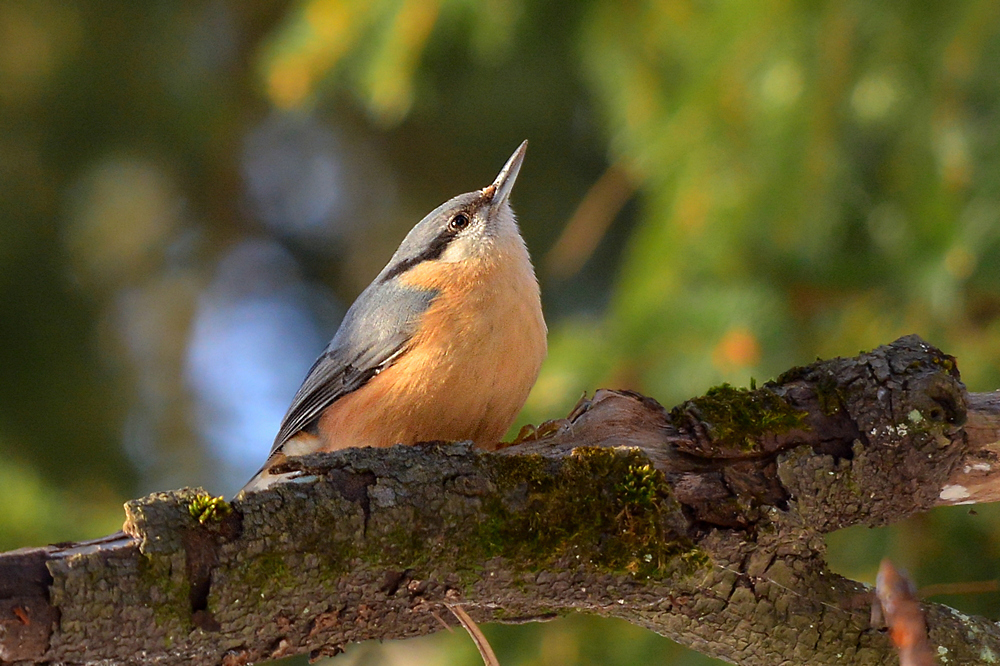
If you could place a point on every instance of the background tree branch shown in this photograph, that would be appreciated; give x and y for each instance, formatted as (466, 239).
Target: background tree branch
(704, 524)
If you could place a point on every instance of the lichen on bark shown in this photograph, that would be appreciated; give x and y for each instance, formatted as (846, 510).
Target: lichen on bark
(705, 524)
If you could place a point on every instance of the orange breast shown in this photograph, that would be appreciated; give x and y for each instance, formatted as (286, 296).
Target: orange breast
(468, 369)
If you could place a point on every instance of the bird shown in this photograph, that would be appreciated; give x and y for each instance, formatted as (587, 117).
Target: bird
(444, 345)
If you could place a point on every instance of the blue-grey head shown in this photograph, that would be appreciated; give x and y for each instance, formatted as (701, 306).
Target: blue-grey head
(468, 226)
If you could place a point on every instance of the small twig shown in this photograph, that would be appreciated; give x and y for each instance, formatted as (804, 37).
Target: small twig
(897, 597)
(483, 645)
(442, 622)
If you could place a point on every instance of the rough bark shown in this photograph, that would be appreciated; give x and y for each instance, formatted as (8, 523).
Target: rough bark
(704, 524)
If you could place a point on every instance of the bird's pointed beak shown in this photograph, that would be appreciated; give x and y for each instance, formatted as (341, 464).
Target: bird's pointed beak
(499, 191)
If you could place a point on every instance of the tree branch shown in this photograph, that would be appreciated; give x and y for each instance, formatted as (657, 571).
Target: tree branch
(704, 524)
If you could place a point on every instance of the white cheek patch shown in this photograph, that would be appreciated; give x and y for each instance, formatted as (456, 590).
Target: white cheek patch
(480, 239)
(469, 244)
(458, 249)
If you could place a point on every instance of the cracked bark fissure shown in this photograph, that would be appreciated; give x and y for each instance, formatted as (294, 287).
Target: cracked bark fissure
(704, 524)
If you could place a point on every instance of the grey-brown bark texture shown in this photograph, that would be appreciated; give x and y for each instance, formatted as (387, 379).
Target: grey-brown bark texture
(704, 524)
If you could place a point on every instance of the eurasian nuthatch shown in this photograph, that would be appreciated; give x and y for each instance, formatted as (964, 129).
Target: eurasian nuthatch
(444, 344)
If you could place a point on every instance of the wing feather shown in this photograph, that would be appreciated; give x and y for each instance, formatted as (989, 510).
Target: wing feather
(374, 333)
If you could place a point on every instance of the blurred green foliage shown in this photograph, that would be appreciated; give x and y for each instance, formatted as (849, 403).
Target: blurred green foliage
(747, 186)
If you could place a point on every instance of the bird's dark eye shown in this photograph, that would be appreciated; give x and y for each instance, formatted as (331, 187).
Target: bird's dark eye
(459, 222)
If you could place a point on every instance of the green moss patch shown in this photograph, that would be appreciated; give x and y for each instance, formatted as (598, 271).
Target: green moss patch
(207, 509)
(605, 507)
(737, 418)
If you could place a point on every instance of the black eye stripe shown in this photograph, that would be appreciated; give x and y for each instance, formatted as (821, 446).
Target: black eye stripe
(433, 251)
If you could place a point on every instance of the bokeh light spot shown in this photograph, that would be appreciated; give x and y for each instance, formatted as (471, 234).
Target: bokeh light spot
(35, 39)
(781, 84)
(121, 214)
(874, 97)
(253, 339)
(960, 262)
(294, 177)
(738, 348)
(951, 144)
